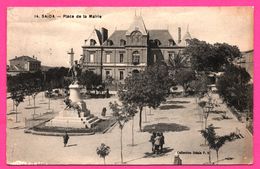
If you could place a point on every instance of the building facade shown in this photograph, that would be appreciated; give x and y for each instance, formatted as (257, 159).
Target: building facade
(23, 64)
(129, 51)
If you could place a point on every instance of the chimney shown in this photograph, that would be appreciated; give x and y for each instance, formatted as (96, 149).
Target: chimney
(15, 57)
(33, 56)
(179, 34)
(104, 33)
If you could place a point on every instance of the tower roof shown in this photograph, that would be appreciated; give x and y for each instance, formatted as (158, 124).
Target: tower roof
(137, 25)
(187, 36)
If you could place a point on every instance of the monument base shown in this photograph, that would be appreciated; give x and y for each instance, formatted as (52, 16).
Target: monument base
(71, 119)
(76, 117)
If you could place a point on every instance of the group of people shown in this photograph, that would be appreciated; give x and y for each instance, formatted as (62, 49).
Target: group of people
(157, 140)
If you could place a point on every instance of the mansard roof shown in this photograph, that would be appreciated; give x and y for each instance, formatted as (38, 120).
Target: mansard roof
(162, 35)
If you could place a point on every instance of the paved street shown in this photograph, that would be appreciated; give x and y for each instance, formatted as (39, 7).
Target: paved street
(183, 113)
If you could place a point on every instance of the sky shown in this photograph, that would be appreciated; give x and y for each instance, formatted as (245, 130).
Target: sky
(49, 39)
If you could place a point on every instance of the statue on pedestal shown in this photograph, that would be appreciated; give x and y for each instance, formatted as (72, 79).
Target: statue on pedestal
(75, 70)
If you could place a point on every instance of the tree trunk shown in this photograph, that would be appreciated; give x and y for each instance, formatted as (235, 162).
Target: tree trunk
(217, 155)
(133, 130)
(121, 144)
(209, 156)
(104, 159)
(13, 106)
(16, 115)
(33, 105)
(49, 103)
(145, 115)
(140, 119)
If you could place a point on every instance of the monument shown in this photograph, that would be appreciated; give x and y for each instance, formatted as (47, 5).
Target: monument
(76, 114)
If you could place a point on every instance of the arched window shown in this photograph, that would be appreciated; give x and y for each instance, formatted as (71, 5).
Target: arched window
(92, 42)
(157, 42)
(136, 58)
(122, 42)
(109, 42)
(171, 42)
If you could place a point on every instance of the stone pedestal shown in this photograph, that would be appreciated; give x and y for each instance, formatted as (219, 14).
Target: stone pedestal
(72, 118)
(75, 92)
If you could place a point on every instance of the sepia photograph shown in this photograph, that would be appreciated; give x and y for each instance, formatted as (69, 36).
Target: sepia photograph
(129, 85)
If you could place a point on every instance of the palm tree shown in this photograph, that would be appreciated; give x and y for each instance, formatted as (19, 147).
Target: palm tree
(215, 142)
(103, 151)
(178, 62)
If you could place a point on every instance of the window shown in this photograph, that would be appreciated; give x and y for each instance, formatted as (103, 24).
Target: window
(136, 37)
(157, 42)
(108, 58)
(92, 42)
(122, 42)
(109, 42)
(154, 58)
(107, 73)
(121, 58)
(91, 58)
(171, 56)
(136, 58)
(121, 75)
(171, 42)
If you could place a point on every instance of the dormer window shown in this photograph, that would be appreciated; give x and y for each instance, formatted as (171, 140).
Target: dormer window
(122, 42)
(92, 42)
(157, 42)
(171, 42)
(109, 42)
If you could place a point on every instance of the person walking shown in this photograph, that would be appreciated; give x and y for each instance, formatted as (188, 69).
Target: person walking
(65, 139)
(152, 140)
(161, 142)
(177, 159)
(157, 143)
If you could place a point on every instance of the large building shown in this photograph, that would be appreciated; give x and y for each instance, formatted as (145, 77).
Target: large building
(23, 64)
(129, 51)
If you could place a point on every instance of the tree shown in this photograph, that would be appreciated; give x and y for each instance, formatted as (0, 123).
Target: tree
(215, 142)
(200, 85)
(55, 77)
(103, 151)
(184, 78)
(148, 88)
(122, 113)
(90, 80)
(208, 57)
(232, 86)
(17, 96)
(178, 63)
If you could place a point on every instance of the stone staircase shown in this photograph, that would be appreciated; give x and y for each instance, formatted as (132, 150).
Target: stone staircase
(72, 120)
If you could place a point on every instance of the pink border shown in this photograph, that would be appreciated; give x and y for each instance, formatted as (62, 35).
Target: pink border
(27, 3)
